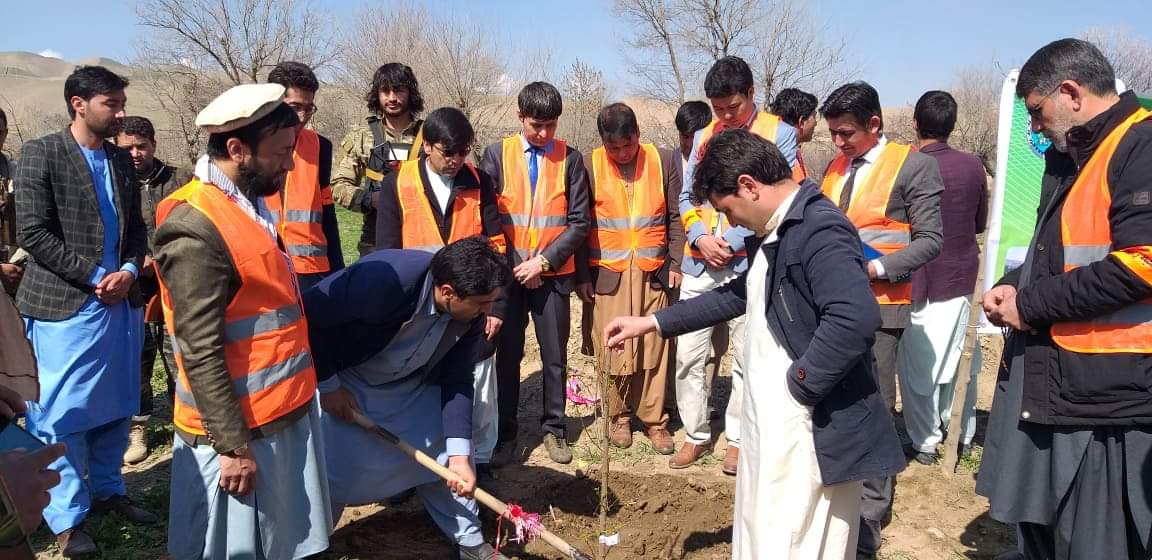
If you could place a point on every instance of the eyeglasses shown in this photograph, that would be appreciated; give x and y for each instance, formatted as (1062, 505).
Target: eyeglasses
(1038, 111)
(302, 109)
(452, 153)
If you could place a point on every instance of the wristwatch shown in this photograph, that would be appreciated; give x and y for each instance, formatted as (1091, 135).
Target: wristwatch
(241, 451)
(544, 264)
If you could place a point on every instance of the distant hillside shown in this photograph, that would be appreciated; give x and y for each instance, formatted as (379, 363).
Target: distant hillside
(32, 65)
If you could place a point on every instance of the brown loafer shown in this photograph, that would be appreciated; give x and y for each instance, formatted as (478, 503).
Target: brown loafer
(125, 507)
(620, 433)
(731, 459)
(661, 440)
(688, 454)
(75, 542)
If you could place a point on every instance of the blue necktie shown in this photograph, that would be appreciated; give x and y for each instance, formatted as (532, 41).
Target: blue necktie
(533, 166)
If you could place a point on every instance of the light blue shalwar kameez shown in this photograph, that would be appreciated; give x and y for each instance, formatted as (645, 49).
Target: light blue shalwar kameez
(89, 368)
(287, 515)
(363, 468)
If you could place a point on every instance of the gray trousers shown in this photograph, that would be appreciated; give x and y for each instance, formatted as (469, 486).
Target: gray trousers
(876, 508)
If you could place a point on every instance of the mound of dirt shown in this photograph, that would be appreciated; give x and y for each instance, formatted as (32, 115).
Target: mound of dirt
(655, 517)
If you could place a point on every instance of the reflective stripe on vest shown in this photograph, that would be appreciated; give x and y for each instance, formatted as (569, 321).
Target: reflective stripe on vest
(265, 335)
(868, 211)
(629, 229)
(532, 223)
(299, 220)
(1087, 238)
(419, 229)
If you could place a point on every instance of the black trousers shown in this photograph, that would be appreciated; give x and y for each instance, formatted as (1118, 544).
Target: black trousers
(548, 306)
(155, 338)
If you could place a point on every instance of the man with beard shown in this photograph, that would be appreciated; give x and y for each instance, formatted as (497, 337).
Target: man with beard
(1069, 438)
(157, 181)
(248, 476)
(78, 210)
(368, 153)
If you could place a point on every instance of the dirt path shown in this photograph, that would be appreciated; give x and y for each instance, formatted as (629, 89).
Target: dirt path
(658, 513)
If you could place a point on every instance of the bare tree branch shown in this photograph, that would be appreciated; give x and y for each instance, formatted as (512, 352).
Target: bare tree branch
(664, 80)
(1131, 56)
(584, 94)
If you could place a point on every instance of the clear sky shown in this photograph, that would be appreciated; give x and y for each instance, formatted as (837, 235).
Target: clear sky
(902, 47)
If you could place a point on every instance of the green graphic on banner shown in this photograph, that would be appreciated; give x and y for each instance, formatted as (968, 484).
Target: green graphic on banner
(1021, 189)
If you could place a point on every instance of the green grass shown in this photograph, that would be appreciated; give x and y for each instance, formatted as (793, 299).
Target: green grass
(116, 538)
(350, 225)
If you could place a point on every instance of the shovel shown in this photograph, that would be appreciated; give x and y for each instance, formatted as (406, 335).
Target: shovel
(481, 496)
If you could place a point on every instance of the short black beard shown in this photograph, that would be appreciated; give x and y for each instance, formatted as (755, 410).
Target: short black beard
(253, 183)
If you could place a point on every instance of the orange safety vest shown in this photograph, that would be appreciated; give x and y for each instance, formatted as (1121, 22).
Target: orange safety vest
(419, 229)
(301, 226)
(764, 125)
(1087, 238)
(265, 334)
(799, 171)
(629, 229)
(868, 212)
(534, 222)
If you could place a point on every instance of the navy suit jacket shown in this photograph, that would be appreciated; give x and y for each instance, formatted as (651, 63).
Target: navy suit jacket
(824, 314)
(354, 313)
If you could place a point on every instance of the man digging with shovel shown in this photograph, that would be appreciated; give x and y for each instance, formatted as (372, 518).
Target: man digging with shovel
(395, 337)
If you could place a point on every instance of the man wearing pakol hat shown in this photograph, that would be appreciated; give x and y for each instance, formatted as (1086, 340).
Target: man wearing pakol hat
(248, 477)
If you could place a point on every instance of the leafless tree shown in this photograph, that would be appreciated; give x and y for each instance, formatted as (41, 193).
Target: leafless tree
(977, 93)
(198, 48)
(27, 121)
(790, 51)
(584, 94)
(718, 28)
(180, 93)
(658, 67)
(242, 39)
(1131, 56)
(459, 62)
(780, 39)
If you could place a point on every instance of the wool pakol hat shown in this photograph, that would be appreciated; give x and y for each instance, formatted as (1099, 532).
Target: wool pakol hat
(240, 106)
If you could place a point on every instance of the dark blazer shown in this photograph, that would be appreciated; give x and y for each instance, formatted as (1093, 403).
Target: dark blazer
(59, 224)
(1070, 388)
(576, 192)
(824, 314)
(354, 313)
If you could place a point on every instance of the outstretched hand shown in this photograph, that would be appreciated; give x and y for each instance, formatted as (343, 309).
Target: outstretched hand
(622, 329)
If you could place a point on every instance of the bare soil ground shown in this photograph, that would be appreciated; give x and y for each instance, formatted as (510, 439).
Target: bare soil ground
(659, 513)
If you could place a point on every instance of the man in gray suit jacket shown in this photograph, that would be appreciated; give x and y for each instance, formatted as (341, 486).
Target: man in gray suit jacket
(892, 195)
(78, 210)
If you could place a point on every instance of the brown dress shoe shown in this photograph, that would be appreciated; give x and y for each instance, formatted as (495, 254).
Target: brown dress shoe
(75, 542)
(620, 433)
(688, 454)
(731, 458)
(125, 507)
(661, 440)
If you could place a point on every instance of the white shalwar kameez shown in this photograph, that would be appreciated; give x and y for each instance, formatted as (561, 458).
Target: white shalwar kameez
(783, 510)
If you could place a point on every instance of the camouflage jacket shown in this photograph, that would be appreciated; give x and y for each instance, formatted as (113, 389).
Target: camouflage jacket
(348, 185)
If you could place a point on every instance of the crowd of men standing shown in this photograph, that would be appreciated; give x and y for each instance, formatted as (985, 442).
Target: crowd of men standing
(834, 297)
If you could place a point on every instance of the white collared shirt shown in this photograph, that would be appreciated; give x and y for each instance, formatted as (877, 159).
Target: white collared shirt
(441, 186)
